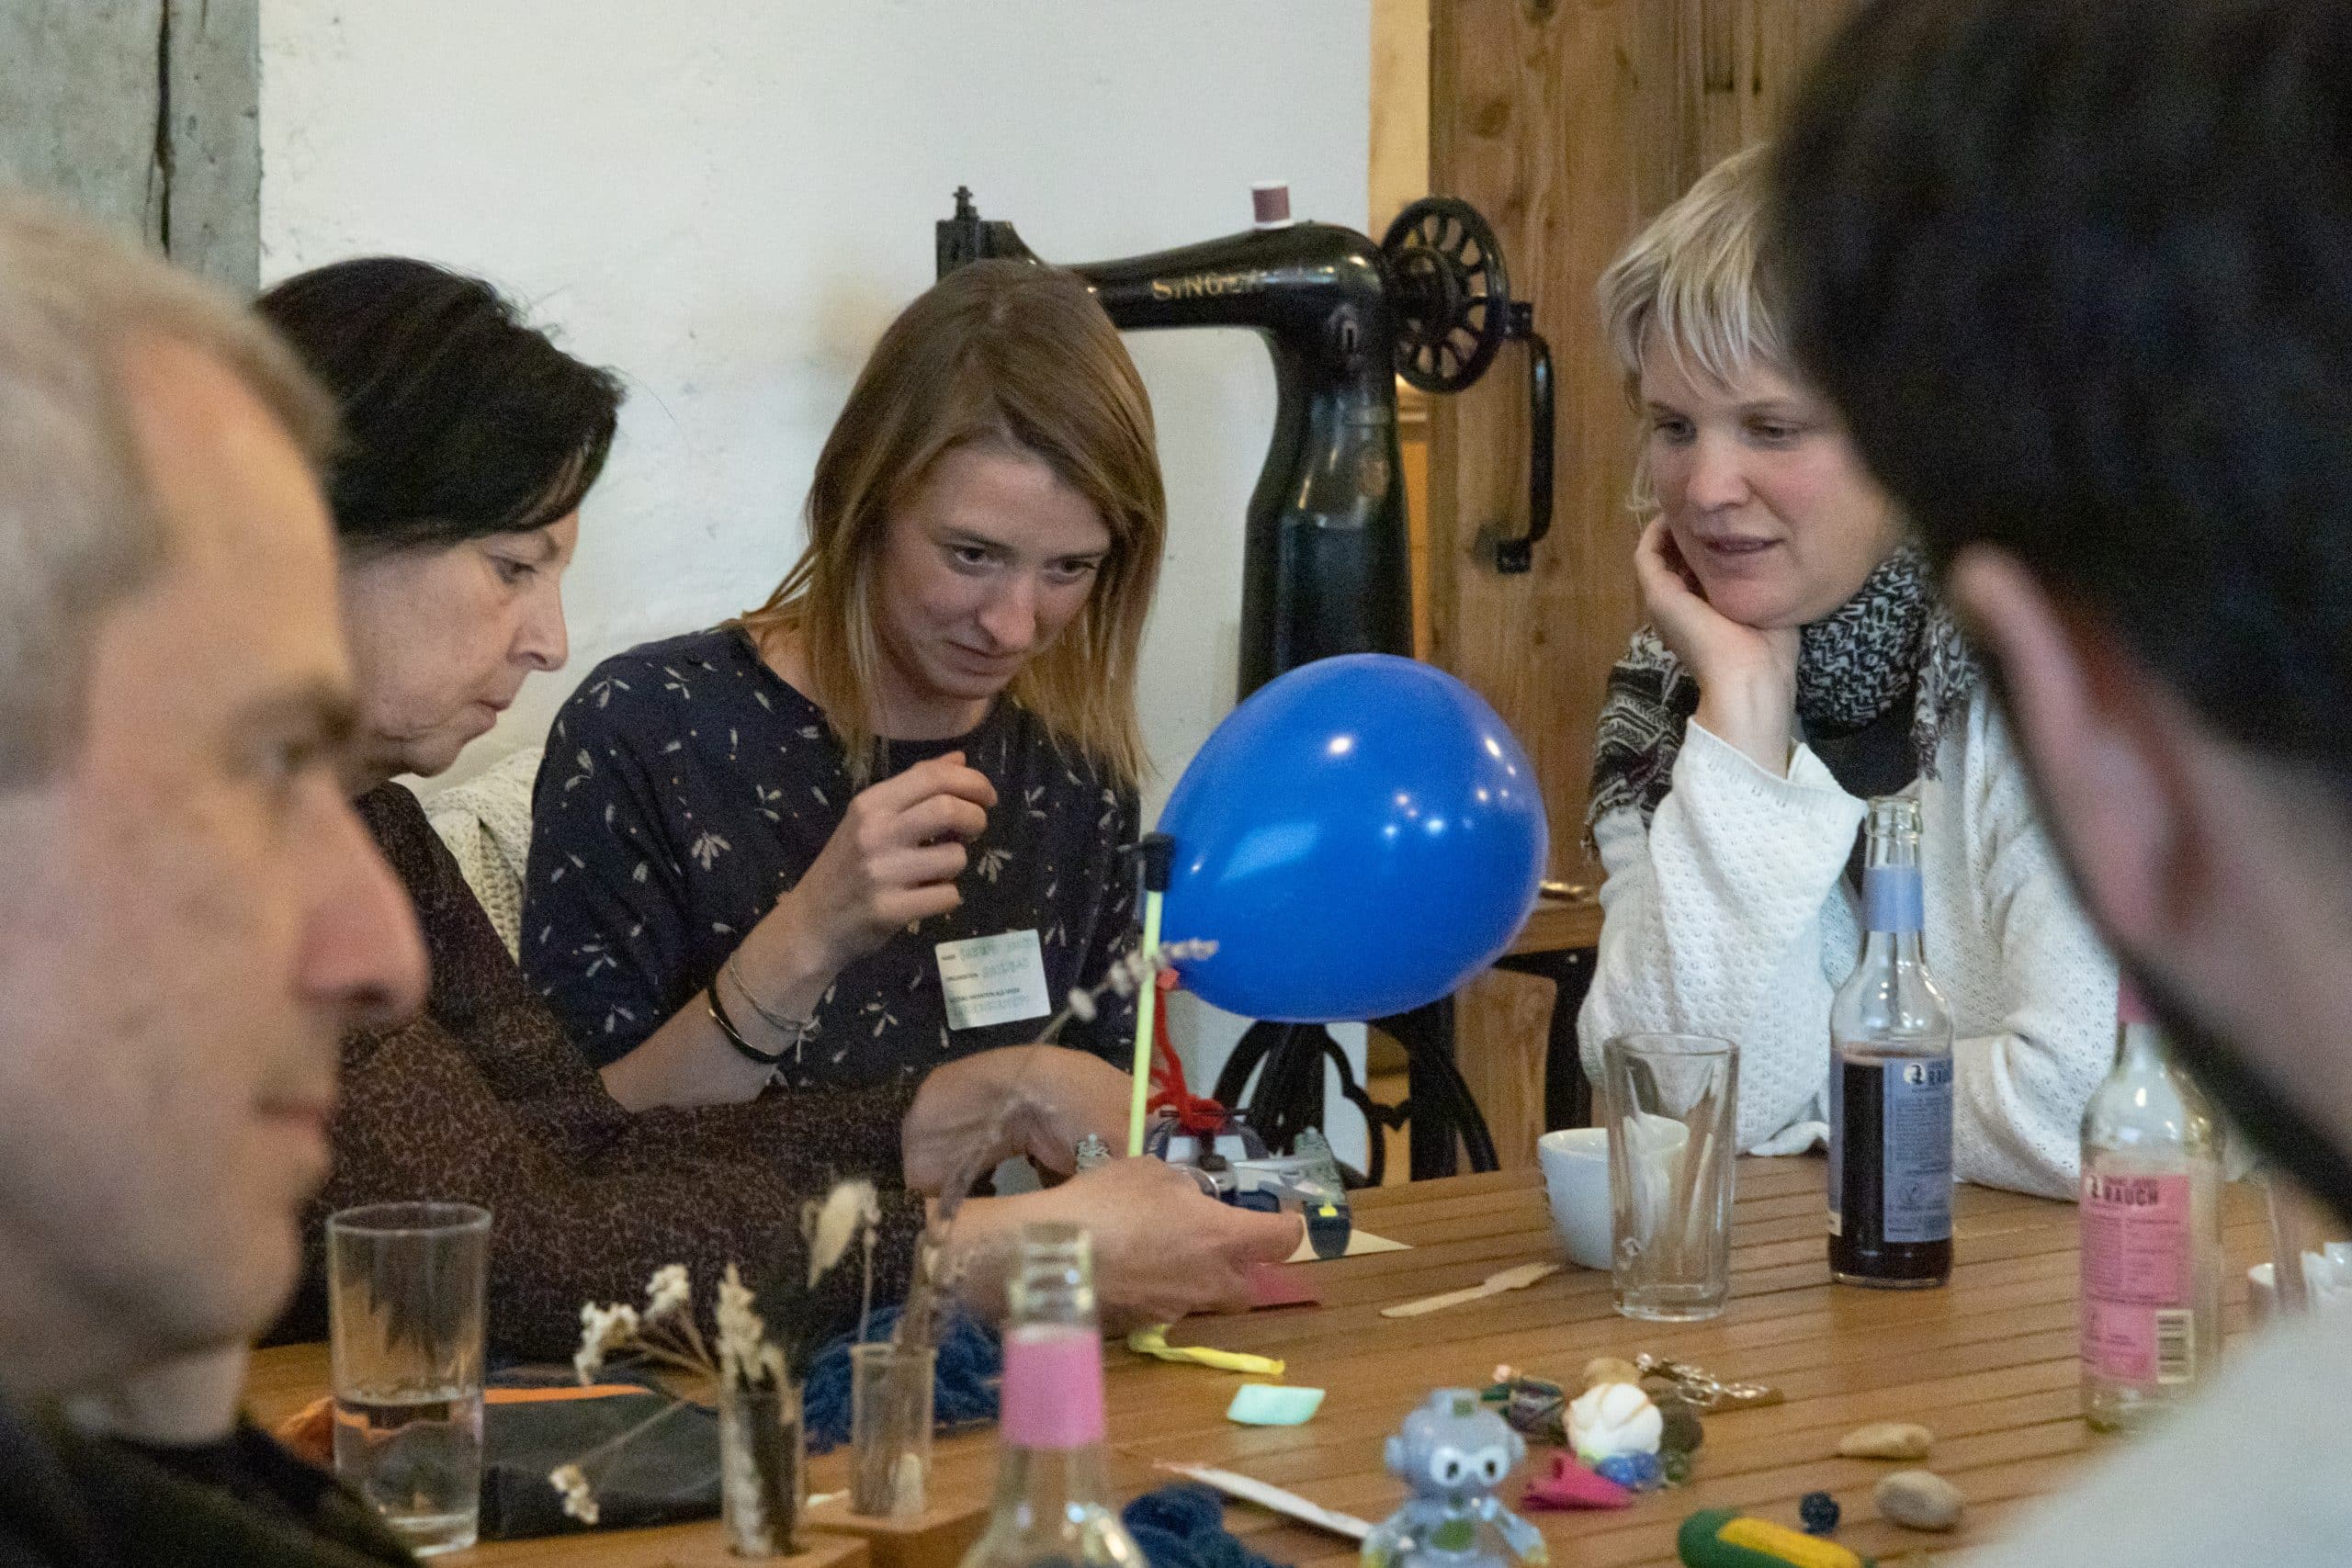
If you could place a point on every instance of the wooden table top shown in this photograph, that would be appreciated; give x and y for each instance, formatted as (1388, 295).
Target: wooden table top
(1989, 1363)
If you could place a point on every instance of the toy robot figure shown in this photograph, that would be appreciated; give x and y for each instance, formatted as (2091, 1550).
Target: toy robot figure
(1452, 1453)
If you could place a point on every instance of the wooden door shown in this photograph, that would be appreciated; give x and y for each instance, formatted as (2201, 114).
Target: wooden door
(1568, 123)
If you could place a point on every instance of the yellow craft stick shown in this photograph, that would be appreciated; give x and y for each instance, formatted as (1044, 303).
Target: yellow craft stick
(1154, 1342)
(1147, 1003)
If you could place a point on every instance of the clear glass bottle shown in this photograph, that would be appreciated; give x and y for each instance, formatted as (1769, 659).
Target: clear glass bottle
(1053, 1487)
(2152, 1232)
(1890, 1080)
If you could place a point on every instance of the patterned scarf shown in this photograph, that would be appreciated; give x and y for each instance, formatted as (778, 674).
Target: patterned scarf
(1891, 642)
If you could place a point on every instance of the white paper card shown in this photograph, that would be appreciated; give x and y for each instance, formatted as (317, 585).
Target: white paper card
(993, 979)
(1288, 1504)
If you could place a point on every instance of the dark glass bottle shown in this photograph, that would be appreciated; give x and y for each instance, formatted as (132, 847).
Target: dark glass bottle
(1890, 1081)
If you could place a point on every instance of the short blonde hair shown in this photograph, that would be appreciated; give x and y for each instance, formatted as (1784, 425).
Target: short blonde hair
(78, 527)
(1695, 281)
(1006, 354)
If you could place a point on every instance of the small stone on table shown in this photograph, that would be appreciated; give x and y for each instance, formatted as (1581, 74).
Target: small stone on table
(1919, 1500)
(1680, 1430)
(1887, 1440)
(1606, 1368)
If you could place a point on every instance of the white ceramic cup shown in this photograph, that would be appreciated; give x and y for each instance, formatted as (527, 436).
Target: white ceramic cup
(1576, 1176)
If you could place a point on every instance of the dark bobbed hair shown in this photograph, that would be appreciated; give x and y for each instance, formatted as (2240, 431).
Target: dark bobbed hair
(460, 420)
(2079, 274)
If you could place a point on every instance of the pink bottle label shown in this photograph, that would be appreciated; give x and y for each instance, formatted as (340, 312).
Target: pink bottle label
(1053, 1387)
(2136, 1278)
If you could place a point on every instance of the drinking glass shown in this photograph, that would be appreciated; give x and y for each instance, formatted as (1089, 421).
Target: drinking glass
(1669, 1102)
(405, 1284)
(889, 1428)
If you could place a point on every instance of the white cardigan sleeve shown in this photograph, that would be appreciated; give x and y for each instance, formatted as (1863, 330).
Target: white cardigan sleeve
(1711, 923)
(2020, 1087)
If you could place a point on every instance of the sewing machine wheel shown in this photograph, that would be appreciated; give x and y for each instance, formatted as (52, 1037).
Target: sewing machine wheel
(1452, 296)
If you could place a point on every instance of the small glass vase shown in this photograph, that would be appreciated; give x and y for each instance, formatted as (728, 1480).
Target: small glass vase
(890, 1421)
(763, 1469)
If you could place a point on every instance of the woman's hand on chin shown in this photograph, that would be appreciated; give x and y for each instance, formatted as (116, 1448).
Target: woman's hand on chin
(1747, 675)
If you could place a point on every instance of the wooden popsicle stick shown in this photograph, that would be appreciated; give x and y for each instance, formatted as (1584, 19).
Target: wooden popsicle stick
(1494, 1284)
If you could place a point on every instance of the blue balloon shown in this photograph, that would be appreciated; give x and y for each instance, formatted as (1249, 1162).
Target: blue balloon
(1359, 837)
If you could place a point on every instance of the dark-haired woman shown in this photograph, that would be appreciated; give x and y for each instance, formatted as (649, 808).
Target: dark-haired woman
(470, 440)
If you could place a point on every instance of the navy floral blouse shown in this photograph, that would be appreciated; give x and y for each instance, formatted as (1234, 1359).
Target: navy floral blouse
(686, 785)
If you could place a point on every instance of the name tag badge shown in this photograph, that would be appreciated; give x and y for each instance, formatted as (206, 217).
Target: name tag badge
(993, 979)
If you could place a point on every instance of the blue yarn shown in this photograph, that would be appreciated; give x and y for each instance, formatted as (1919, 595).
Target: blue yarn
(964, 1383)
(1184, 1527)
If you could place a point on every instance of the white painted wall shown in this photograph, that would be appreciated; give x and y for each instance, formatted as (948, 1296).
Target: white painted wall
(729, 200)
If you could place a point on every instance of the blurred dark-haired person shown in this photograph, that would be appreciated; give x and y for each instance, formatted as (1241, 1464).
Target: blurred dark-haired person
(2077, 275)
(470, 440)
(193, 913)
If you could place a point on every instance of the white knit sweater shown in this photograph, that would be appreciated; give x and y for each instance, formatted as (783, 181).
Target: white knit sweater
(1731, 915)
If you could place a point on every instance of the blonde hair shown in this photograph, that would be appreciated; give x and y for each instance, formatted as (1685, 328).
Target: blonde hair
(1004, 353)
(78, 527)
(1695, 284)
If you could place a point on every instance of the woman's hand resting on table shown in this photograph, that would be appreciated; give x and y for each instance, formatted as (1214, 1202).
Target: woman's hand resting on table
(1033, 1100)
(1747, 676)
(1163, 1249)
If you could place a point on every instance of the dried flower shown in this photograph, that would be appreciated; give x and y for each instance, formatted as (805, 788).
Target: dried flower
(1130, 971)
(579, 1501)
(829, 1226)
(669, 1291)
(666, 1334)
(602, 1331)
(1120, 975)
(742, 1333)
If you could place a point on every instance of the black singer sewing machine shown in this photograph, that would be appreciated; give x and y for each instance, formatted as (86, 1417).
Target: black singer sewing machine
(1324, 569)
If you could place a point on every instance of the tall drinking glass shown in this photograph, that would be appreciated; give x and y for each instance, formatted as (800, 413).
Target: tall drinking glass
(405, 1283)
(1669, 1102)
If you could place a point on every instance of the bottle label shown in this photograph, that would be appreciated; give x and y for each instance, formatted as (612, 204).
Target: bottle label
(1053, 1387)
(2137, 1270)
(1892, 899)
(1836, 1146)
(1917, 1143)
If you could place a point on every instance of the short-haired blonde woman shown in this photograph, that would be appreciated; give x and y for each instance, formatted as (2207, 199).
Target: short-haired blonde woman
(761, 841)
(1796, 662)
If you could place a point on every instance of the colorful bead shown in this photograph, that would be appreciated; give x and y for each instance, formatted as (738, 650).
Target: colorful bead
(1817, 1511)
(1636, 1473)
